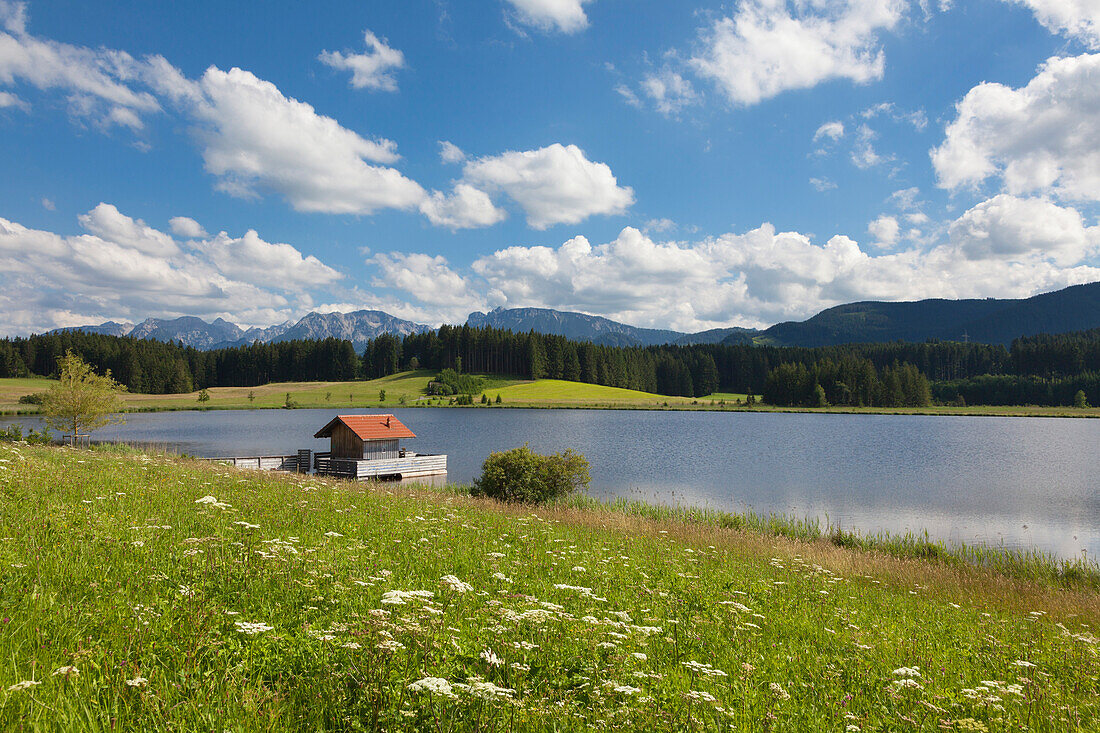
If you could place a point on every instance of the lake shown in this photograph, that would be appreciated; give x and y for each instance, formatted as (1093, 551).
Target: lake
(1021, 483)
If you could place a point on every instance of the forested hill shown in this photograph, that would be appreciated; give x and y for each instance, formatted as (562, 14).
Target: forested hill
(989, 321)
(575, 326)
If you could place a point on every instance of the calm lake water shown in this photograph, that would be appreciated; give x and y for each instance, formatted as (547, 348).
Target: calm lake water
(1013, 482)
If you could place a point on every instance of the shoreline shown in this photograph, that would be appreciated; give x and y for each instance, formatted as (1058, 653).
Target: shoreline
(1031, 411)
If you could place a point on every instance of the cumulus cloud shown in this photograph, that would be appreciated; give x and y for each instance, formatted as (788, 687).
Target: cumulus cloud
(450, 153)
(465, 207)
(822, 184)
(1001, 248)
(556, 184)
(184, 226)
(1079, 19)
(1007, 226)
(1038, 138)
(566, 16)
(833, 130)
(371, 70)
(669, 91)
(123, 269)
(770, 46)
(7, 99)
(443, 295)
(254, 138)
(98, 82)
(884, 231)
(864, 154)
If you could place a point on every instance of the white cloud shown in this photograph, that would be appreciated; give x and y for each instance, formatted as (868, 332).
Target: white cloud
(1024, 228)
(918, 119)
(256, 138)
(97, 81)
(108, 223)
(669, 91)
(371, 70)
(1038, 138)
(1079, 19)
(660, 225)
(431, 281)
(566, 16)
(465, 208)
(123, 269)
(628, 94)
(252, 260)
(864, 154)
(822, 184)
(769, 46)
(1002, 248)
(184, 226)
(833, 130)
(450, 153)
(556, 184)
(884, 231)
(48, 204)
(10, 100)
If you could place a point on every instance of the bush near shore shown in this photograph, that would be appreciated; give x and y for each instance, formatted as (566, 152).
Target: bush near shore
(145, 592)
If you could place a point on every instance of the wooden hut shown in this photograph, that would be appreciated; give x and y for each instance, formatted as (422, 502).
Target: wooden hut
(369, 446)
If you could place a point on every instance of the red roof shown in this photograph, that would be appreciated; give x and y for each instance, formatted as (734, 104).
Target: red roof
(369, 427)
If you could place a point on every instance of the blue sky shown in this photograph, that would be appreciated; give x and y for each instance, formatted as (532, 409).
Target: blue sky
(680, 165)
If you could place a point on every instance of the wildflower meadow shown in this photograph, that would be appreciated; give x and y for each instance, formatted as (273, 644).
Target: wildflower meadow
(149, 592)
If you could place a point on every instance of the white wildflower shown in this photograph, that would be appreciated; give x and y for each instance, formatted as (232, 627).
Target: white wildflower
(1023, 663)
(246, 525)
(207, 500)
(907, 682)
(907, 671)
(579, 569)
(489, 691)
(699, 695)
(137, 682)
(778, 691)
(639, 656)
(502, 577)
(491, 658)
(704, 669)
(627, 690)
(433, 686)
(24, 685)
(252, 628)
(66, 671)
(389, 645)
(456, 585)
(333, 534)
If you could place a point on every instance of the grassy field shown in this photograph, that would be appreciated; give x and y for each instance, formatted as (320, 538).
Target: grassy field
(151, 593)
(514, 393)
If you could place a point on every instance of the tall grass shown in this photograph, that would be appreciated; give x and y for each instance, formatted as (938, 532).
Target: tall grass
(1030, 565)
(144, 592)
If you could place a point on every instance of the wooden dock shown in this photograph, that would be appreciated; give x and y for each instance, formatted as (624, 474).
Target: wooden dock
(409, 465)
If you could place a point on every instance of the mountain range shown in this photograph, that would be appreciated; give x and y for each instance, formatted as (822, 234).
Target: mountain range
(991, 320)
(359, 327)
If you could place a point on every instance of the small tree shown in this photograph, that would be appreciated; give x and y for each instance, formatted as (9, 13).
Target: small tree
(381, 395)
(1080, 399)
(521, 475)
(414, 363)
(82, 399)
(328, 396)
(204, 396)
(498, 400)
(251, 396)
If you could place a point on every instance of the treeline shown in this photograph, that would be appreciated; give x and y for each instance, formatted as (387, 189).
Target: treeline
(850, 381)
(1035, 370)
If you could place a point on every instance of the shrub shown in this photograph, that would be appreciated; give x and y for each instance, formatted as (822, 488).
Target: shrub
(521, 475)
(32, 399)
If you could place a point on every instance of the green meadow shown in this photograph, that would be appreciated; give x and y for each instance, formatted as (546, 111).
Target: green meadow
(409, 389)
(147, 592)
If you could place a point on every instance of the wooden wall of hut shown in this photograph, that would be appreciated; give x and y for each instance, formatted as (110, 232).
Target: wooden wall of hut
(345, 443)
(377, 449)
